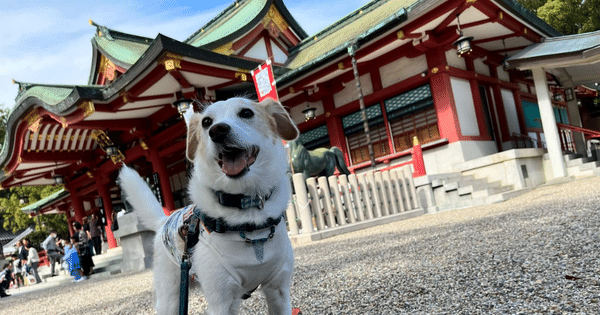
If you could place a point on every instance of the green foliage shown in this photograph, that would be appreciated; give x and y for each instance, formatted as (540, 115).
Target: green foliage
(532, 5)
(566, 16)
(591, 9)
(15, 219)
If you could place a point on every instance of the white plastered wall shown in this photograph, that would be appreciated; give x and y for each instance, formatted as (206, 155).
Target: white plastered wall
(465, 107)
(349, 93)
(402, 69)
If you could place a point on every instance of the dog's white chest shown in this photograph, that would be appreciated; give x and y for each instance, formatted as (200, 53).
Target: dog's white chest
(250, 264)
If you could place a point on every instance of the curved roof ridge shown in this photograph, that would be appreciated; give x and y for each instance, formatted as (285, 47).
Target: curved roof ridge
(213, 20)
(236, 20)
(112, 34)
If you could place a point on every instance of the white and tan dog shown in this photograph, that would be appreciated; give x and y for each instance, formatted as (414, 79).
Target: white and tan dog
(240, 190)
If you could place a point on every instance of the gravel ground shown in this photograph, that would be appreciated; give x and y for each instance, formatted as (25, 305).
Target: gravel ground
(534, 254)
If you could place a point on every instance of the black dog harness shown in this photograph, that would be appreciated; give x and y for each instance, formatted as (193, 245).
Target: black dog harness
(192, 223)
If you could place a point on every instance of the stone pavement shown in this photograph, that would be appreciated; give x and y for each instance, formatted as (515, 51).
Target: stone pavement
(534, 254)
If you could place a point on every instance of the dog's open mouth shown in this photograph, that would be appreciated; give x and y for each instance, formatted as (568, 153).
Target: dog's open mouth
(235, 161)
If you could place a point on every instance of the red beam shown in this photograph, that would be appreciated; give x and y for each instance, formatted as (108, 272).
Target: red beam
(209, 70)
(148, 81)
(70, 157)
(180, 79)
(491, 10)
(461, 7)
(248, 37)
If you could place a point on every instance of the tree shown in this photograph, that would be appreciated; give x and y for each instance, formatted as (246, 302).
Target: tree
(566, 16)
(591, 9)
(15, 220)
(532, 5)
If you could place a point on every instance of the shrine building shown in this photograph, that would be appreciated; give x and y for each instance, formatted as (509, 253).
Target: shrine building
(460, 98)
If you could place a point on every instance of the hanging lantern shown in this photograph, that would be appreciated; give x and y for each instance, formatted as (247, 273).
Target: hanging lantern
(463, 43)
(309, 113)
(111, 150)
(59, 179)
(23, 199)
(183, 105)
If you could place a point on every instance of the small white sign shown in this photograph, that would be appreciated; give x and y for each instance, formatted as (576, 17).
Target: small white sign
(263, 83)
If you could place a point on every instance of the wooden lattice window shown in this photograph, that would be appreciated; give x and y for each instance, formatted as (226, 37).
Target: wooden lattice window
(422, 124)
(357, 144)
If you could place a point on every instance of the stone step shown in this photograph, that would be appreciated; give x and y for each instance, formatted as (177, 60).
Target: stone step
(578, 161)
(490, 191)
(472, 187)
(506, 195)
(452, 177)
(461, 204)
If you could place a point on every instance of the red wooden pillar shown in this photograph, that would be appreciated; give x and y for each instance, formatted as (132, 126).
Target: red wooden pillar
(445, 109)
(337, 138)
(70, 222)
(417, 159)
(77, 204)
(104, 193)
(159, 167)
(443, 99)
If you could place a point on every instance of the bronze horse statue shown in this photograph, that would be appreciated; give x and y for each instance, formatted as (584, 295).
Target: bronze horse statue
(317, 162)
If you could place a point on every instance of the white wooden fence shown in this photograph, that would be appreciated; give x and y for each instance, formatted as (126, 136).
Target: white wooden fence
(326, 203)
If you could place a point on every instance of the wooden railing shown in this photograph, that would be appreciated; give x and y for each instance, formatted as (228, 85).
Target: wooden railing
(328, 202)
(566, 135)
(522, 141)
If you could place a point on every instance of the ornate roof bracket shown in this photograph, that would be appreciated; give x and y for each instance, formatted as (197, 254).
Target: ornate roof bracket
(104, 141)
(33, 120)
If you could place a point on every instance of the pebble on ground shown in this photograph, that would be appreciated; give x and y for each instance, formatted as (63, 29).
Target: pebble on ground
(534, 254)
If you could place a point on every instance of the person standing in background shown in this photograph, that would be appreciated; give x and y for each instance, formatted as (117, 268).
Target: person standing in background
(51, 248)
(95, 233)
(33, 260)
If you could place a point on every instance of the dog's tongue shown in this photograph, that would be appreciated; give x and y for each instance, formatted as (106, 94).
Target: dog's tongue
(235, 166)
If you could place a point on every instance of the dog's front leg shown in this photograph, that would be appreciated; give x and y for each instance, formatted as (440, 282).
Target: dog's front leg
(222, 302)
(278, 300)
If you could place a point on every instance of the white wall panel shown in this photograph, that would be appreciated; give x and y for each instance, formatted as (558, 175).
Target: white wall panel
(511, 111)
(349, 93)
(465, 108)
(402, 69)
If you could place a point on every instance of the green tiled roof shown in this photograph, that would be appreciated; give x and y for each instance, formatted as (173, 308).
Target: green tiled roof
(408, 101)
(46, 201)
(347, 29)
(228, 22)
(353, 122)
(51, 95)
(314, 134)
(238, 19)
(125, 51)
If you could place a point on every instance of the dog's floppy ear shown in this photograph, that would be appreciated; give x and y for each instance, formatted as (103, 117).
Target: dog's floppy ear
(193, 138)
(284, 126)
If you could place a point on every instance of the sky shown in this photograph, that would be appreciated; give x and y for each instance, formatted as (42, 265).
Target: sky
(50, 41)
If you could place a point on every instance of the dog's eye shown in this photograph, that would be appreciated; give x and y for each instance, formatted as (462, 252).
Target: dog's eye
(206, 122)
(246, 113)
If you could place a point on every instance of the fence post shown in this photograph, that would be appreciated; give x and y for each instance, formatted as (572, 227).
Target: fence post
(412, 190)
(327, 201)
(399, 183)
(347, 200)
(364, 188)
(302, 203)
(311, 183)
(290, 214)
(360, 208)
(387, 180)
(374, 194)
(417, 159)
(333, 185)
(382, 193)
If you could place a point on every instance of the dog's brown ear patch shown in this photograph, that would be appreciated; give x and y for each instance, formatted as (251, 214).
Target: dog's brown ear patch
(284, 126)
(193, 140)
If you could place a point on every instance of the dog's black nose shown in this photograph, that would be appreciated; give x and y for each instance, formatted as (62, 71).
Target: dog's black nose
(219, 132)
